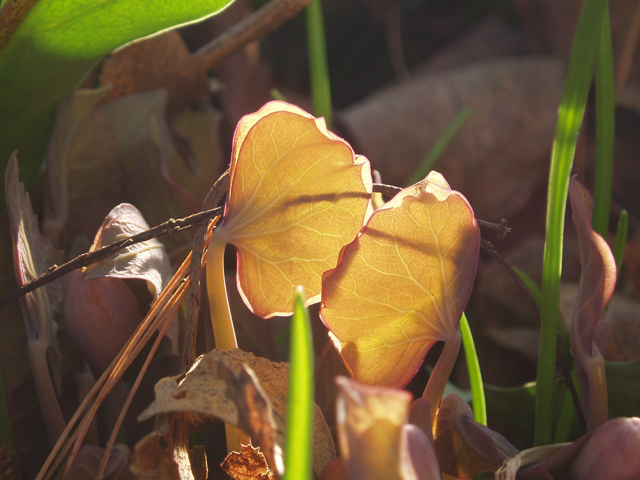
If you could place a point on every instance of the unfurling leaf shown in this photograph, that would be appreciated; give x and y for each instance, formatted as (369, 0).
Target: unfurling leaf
(597, 281)
(463, 446)
(376, 441)
(297, 195)
(402, 285)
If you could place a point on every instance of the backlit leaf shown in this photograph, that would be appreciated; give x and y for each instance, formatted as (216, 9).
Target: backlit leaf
(402, 285)
(297, 195)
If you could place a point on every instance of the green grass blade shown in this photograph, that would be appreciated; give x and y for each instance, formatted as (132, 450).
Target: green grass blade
(570, 115)
(621, 239)
(475, 376)
(440, 146)
(605, 130)
(300, 406)
(319, 69)
(530, 283)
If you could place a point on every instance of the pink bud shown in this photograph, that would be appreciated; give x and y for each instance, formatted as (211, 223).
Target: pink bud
(100, 315)
(612, 452)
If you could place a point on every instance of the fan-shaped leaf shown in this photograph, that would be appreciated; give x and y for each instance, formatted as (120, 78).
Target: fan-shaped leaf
(403, 283)
(297, 195)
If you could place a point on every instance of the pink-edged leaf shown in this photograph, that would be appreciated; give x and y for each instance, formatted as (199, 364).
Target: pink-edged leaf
(375, 440)
(297, 195)
(33, 254)
(402, 285)
(598, 275)
(145, 261)
(597, 281)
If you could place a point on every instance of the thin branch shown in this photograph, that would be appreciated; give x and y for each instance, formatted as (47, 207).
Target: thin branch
(560, 361)
(255, 26)
(167, 228)
(388, 191)
(502, 228)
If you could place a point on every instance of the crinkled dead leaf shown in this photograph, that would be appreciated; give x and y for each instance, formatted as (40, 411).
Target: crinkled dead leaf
(402, 285)
(145, 261)
(464, 447)
(375, 440)
(297, 195)
(249, 464)
(246, 391)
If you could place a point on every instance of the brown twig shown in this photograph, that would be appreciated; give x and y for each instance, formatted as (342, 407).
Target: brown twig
(167, 228)
(388, 191)
(502, 228)
(255, 26)
(560, 361)
(214, 196)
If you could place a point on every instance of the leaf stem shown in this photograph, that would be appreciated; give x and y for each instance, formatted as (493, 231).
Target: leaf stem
(223, 331)
(440, 375)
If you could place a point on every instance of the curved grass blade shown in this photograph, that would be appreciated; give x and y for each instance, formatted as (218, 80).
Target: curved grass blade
(570, 114)
(300, 405)
(475, 375)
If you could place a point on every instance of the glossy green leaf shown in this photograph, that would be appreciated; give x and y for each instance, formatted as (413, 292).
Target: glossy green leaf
(47, 46)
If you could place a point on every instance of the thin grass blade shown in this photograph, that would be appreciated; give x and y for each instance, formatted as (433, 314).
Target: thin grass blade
(475, 375)
(570, 115)
(319, 69)
(300, 405)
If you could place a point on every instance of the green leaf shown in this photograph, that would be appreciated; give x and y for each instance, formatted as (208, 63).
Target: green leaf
(46, 48)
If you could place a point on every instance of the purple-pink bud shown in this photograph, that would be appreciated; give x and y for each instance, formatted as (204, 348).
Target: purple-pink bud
(100, 315)
(612, 452)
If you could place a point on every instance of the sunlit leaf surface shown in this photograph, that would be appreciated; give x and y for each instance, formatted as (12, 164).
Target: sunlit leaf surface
(403, 283)
(297, 195)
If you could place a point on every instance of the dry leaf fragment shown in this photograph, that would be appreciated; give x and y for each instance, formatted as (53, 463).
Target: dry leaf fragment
(249, 464)
(246, 391)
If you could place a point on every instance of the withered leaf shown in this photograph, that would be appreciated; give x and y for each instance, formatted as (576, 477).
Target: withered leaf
(250, 464)
(246, 391)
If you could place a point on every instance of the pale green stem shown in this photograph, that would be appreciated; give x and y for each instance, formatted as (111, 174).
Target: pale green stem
(223, 332)
(597, 410)
(440, 375)
(44, 387)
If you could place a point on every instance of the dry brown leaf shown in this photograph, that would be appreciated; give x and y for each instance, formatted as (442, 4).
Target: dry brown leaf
(243, 390)
(159, 62)
(250, 464)
(501, 153)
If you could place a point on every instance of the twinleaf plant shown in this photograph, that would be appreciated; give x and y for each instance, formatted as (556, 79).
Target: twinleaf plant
(402, 286)
(297, 195)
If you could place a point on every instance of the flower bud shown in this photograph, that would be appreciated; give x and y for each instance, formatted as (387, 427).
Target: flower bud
(100, 315)
(612, 452)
